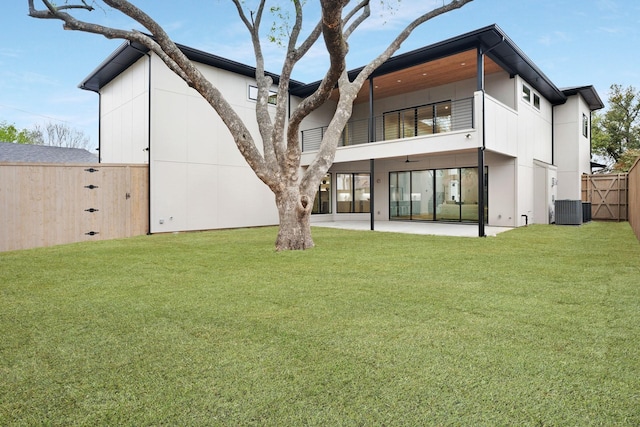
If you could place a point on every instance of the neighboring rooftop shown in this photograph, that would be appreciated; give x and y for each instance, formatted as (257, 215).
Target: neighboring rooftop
(25, 153)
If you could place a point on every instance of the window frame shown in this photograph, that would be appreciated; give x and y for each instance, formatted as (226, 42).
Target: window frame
(273, 95)
(352, 192)
(526, 93)
(585, 125)
(326, 184)
(536, 101)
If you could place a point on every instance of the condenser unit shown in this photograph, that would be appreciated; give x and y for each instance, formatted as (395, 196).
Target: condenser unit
(569, 212)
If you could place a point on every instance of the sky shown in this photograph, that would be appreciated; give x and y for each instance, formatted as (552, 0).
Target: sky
(573, 42)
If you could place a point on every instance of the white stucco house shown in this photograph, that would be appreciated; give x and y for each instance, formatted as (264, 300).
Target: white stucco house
(465, 130)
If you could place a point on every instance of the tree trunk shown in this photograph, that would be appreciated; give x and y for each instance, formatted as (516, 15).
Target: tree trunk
(294, 210)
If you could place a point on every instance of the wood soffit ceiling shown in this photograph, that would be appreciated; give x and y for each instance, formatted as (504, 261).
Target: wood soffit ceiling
(461, 66)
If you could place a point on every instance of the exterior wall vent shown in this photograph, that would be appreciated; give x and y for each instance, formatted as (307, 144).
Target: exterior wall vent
(569, 212)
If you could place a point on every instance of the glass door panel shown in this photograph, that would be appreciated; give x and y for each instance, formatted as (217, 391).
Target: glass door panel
(469, 194)
(447, 194)
(391, 125)
(443, 117)
(424, 118)
(408, 123)
(399, 195)
(422, 195)
(362, 193)
(344, 188)
(322, 201)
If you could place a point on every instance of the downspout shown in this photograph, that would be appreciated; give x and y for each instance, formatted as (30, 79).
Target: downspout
(553, 135)
(99, 127)
(481, 163)
(371, 161)
(149, 144)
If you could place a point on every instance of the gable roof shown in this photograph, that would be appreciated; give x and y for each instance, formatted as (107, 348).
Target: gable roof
(492, 39)
(25, 153)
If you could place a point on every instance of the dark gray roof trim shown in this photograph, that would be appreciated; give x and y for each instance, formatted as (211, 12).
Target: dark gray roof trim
(589, 94)
(130, 52)
(500, 48)
(24, 153)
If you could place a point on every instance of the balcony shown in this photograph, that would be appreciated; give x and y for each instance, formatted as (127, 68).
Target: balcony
(429, 119)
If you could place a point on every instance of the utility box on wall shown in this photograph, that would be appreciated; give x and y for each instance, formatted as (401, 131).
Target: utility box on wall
(569, 212)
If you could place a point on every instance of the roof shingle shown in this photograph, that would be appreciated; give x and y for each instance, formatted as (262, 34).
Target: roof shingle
(24, 153)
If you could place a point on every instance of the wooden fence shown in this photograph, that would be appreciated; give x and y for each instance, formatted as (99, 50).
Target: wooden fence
(634, 198)
(51, 204)
(608, 194)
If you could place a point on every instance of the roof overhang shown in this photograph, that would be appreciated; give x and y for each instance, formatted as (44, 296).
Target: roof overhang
(491, 40)
(589, 94)
(130, 52)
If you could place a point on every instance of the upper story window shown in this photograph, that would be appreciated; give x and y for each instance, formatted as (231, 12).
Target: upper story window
(253, 95)
(585, 126)
(536, 101)
(526, 93)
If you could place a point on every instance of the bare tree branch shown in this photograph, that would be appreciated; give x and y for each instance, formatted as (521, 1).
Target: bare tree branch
(170, 54)
(278, 165)
(363, 5)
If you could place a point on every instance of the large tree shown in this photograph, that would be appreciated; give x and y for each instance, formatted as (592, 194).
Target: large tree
(60, 135)
(275, 154)
(10, 133)
(617, 131)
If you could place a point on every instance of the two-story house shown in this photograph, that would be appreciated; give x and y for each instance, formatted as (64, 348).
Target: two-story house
(465, 130)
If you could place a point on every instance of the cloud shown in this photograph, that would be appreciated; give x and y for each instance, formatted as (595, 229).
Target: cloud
(554, 38)
(610, 30)
(10, 53)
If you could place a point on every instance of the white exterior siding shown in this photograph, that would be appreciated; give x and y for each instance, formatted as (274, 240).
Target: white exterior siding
(573, 151)
(199, 179)
(502, 190)
(501, 127)
(124, 113)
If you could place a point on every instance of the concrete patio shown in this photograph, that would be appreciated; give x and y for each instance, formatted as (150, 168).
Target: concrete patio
(409, 227)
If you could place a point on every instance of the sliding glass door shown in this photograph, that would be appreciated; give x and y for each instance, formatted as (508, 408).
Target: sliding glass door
(435, 195)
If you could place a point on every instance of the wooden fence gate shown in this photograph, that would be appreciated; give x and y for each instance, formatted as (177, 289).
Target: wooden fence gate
(608, 194)
(51, 204)
(634, 198)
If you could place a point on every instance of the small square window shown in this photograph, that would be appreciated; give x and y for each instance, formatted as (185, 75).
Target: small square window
(253, 95)
(536, 101)
(526, 93)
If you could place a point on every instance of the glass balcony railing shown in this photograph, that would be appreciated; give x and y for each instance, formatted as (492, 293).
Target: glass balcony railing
(424, 120)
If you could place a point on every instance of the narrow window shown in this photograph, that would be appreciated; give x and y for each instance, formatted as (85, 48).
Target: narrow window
(253, 95)
(585, 126)
(526, 93)
(536, 101)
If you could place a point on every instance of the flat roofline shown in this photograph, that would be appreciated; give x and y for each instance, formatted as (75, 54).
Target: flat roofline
(129, 53)
(502, 50)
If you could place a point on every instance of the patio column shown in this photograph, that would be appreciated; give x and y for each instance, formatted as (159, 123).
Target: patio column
(481, 183)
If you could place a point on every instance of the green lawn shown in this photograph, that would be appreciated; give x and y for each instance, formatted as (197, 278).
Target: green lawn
(539, 326)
